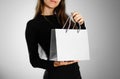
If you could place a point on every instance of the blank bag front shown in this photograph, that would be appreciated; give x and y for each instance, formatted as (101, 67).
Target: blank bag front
(70, 45)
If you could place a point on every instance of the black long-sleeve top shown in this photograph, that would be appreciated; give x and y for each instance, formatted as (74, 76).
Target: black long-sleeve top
(38, 31)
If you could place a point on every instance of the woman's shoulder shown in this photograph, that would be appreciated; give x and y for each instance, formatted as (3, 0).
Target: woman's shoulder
(33, 22)
(30, 23)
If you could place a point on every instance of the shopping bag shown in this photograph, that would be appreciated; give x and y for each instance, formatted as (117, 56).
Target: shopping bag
(41, 53)
(69, 44)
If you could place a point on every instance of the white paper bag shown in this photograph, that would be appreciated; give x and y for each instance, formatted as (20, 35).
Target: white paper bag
(69, 45)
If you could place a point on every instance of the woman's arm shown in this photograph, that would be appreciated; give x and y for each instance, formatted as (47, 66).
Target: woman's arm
(32, 45)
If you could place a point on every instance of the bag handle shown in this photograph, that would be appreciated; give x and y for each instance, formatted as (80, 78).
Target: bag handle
(70, 20)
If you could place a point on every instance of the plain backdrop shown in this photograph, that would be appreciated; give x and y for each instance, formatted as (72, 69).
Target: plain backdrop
(103, 24)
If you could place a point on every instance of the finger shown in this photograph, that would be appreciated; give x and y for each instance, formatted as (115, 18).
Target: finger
(76, 60)
(81, 21)
(62, 62)
(78, 18)
(56, 63)
(74, 14)
(69, 62)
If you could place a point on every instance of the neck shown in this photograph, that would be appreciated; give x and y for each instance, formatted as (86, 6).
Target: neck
(47, 11)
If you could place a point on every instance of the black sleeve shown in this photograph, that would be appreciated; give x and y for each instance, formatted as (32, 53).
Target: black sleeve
(32, 45)
(82, 26)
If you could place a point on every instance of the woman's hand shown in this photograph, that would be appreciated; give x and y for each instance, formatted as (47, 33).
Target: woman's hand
(77, 18)
(63, 63)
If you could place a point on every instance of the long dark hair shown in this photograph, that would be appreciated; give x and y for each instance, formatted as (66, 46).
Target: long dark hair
(60, 10)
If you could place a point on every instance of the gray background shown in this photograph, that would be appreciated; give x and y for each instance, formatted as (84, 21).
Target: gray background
(102, 22)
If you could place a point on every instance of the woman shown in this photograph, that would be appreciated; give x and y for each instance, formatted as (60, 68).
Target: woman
(50, 14)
